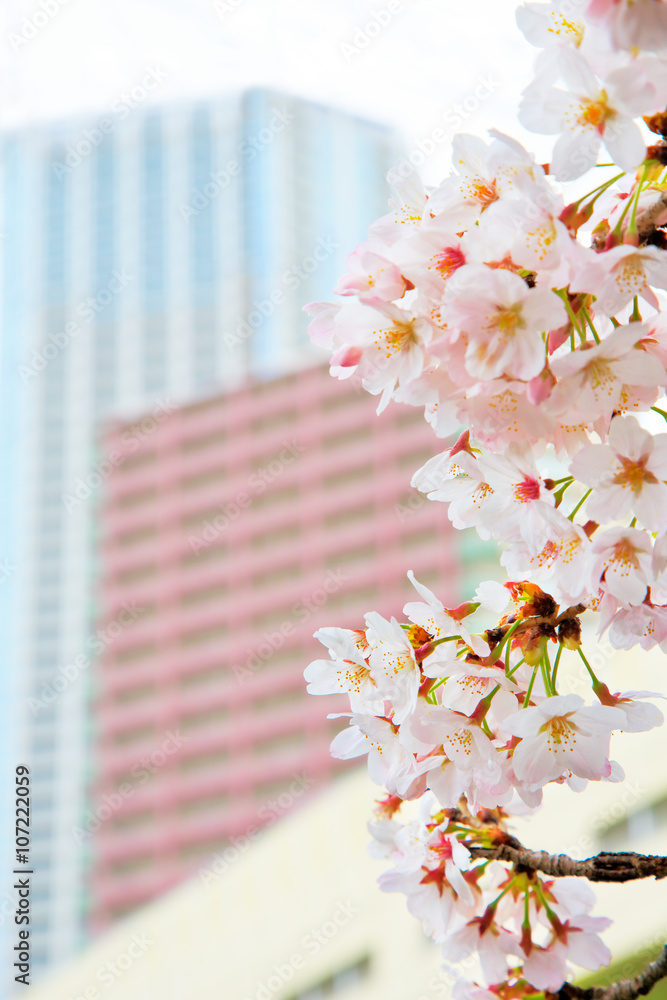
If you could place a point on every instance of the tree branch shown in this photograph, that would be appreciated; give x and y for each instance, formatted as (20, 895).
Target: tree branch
(604, 867)
(625, 989)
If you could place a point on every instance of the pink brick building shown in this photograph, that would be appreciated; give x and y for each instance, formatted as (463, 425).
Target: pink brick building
(234, 529)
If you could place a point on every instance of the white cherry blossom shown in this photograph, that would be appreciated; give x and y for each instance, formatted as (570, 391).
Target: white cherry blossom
(627, 475)
(562, 734)
(622, 556)
(589, 113)
(346, 671)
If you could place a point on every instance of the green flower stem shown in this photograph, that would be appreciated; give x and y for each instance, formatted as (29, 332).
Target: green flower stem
(497, 652)
(587, 317)
(530, 686)
(555, 672)
(588, 667)
(580, 504)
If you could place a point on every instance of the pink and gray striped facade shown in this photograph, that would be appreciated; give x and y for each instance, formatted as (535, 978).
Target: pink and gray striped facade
(233, 529)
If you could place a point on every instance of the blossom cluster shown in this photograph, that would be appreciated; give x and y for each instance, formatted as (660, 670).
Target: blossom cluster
(474, 725)
(529, 327)
(503, 310)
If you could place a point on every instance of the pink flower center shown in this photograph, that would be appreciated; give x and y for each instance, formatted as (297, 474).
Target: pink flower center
(485, 193)
(449, 260)
(528, 490)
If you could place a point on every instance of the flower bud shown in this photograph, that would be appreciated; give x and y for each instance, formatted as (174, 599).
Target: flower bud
(462, 444)
(540, 388)
(533, 644)
(569, 633)
(657, 123)
(385, 808)
(418, 636)
(575, 215)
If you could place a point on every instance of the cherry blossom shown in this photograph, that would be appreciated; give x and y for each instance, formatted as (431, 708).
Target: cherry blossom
(620, 274)
(372, 277)
(346, 671)
(562, 734)
(545, 24)
(575, 941)
(527, 320)
(597, 380)
(589, 114)
(627, 475)
(621, 564)
(393, 666)
(632, 23)
(502, 321)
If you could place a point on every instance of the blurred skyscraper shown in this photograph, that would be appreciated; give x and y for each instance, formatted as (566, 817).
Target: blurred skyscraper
(147, 257)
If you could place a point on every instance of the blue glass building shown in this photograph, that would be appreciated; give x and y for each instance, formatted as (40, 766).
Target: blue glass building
(146, 258)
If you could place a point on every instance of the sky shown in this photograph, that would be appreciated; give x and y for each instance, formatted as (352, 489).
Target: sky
(407, 63)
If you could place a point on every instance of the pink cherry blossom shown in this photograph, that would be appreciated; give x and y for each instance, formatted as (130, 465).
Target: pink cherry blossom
(619, 274)
(371, 277)
(546, 968)
(632, 23)
(462, 486)
(643, 625)
(502, 321)
(520, 506)
(594, 382)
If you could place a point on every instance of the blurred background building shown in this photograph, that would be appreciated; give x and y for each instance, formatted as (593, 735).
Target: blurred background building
(148, 258)
(230, 532)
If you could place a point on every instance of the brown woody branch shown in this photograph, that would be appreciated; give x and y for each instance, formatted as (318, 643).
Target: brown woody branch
(625, 989)
(604, 867)
(525, 624)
